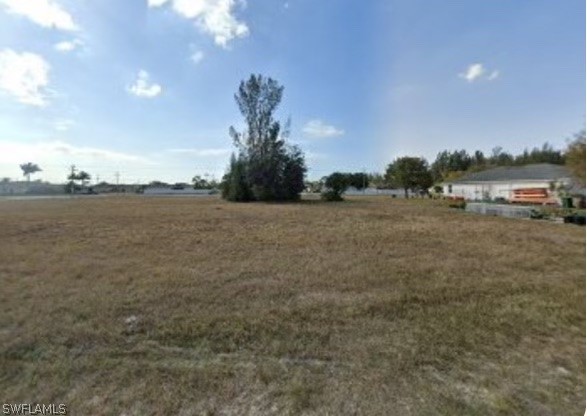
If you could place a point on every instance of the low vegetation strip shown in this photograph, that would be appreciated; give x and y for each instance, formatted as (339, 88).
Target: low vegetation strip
(143, 306)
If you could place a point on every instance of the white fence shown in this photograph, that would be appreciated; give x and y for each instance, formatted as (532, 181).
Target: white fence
(396, 193)
(511, 211)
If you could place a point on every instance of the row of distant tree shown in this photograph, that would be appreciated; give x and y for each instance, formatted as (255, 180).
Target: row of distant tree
(265, 167)
(449, 165)
(408, 173)
(415, 174)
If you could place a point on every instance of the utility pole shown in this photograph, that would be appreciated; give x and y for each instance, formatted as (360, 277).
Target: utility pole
(206, 178)
(117, 174)
(72, 181)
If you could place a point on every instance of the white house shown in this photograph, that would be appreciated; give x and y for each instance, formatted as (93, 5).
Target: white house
(501, 182)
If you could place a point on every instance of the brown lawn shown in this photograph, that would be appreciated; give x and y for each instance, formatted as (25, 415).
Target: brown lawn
(180, 306)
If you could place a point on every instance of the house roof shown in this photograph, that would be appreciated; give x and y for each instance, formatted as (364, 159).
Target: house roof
(540, 171)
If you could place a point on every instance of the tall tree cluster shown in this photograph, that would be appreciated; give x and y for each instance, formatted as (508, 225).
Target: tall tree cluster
(575, 156)
(457, 161)
(264, 167)
(545, 154)
(82, 176)
(452, 164)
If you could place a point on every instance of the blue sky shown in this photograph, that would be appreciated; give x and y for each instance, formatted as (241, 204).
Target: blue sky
(145, 87)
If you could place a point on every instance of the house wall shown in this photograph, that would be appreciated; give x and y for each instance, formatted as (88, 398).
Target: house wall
(477, 191)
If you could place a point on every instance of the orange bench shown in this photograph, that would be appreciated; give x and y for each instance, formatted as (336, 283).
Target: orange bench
(532, 196)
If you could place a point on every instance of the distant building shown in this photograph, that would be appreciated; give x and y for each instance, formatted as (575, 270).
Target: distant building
(108, 188)
(30, 188)
(511, 182)
(178, 191)
(394, 193)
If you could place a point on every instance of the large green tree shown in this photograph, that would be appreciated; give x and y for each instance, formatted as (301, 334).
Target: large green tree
(409, 173)
(265, 167)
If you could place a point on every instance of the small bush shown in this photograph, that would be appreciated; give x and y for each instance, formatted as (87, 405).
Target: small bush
(537, 214)
(457, 203)
(331, 196)
(577, 218)
(336, 183)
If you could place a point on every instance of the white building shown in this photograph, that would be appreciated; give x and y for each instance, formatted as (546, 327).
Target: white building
(395, 193)
(501, 182)
(178, 191)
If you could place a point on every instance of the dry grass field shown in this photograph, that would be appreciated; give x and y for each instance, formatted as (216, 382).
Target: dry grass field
(374, 306)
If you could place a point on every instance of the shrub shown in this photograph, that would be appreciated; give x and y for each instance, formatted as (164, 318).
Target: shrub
(457, 203)
(336, 183)
(331, 196)
(235, 186)
(538, 214)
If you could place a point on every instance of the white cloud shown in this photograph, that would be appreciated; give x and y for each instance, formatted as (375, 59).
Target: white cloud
(476, 72)
(319, 129)
(52, 151)
(63, 124)
(68, 46)
(46, 13)
(197, 57)
(25, 76)
(493, 75)
(214, 17)
(142, 88)
(315, 155)
(473, 72)
(202, 152)
(59, 147)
